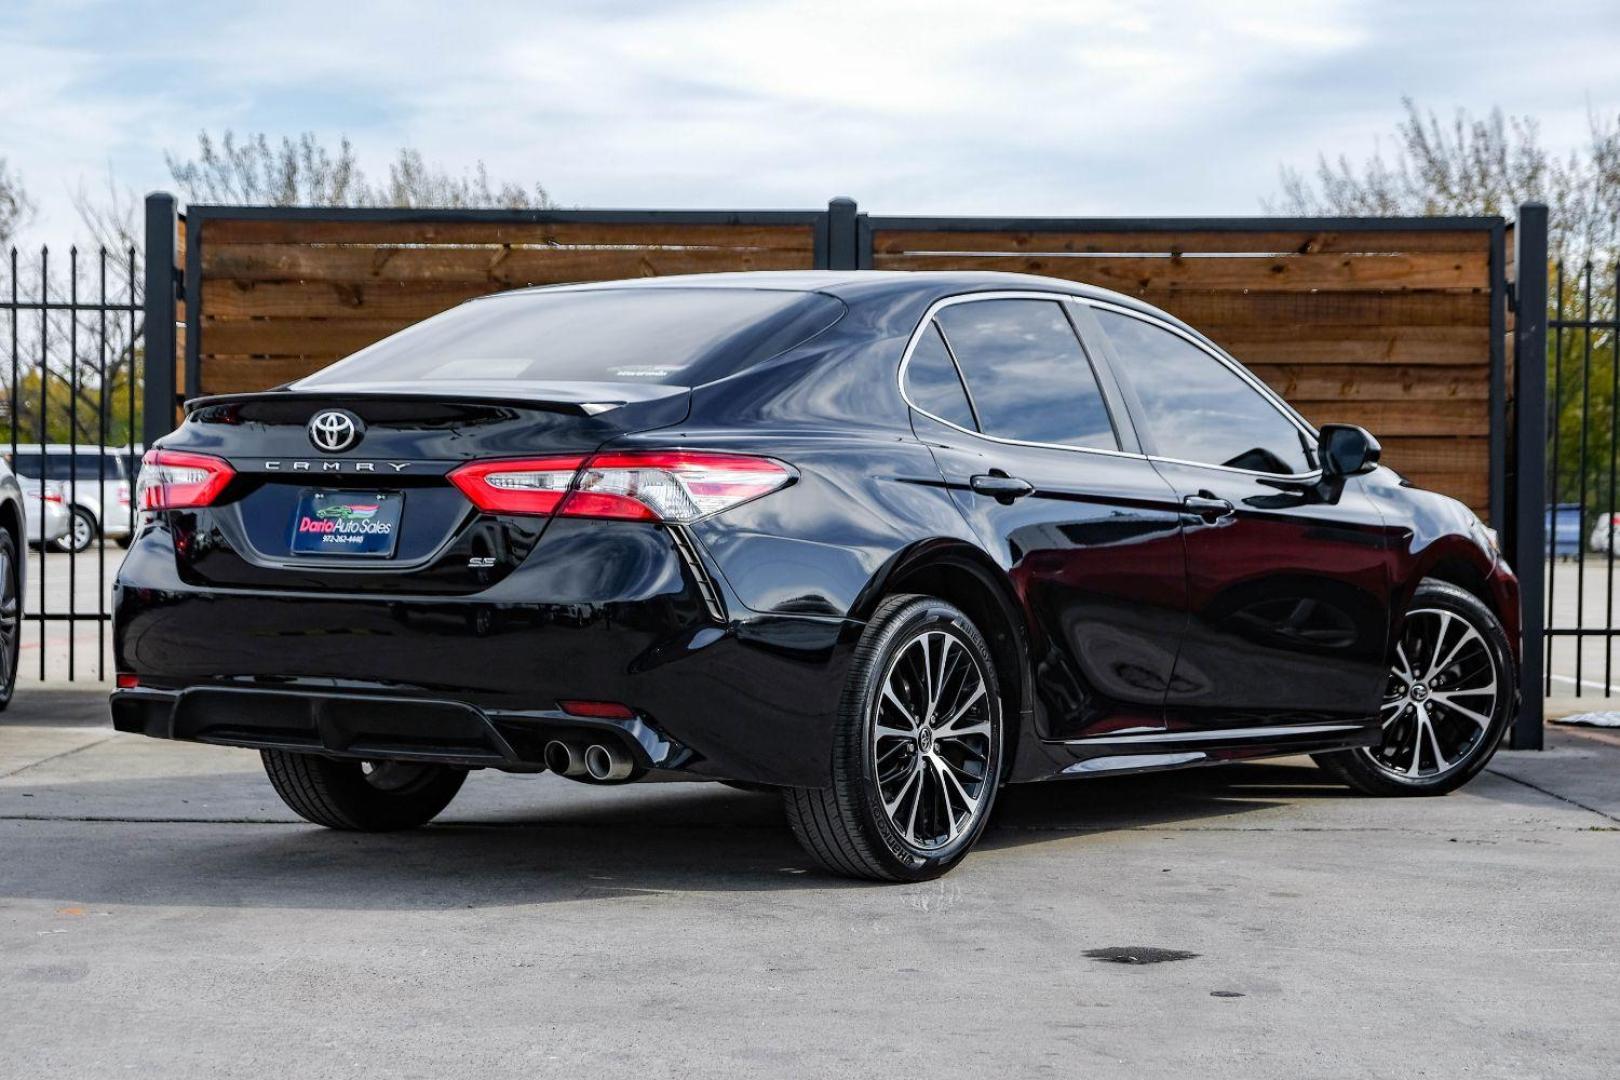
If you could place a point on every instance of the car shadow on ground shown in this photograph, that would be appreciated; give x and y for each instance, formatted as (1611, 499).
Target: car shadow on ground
(569, 845)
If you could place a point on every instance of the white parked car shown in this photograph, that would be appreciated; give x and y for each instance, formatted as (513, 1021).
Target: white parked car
(1603, 536)
(46, 511)
(96, 482)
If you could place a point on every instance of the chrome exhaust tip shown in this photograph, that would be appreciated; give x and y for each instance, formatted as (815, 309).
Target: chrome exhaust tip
(607, 764)
(565, 759)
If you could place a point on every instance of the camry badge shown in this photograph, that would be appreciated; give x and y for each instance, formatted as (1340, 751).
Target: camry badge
(335, 430)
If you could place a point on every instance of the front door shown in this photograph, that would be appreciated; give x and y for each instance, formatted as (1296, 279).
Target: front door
(1090, 535)
(1287, 576)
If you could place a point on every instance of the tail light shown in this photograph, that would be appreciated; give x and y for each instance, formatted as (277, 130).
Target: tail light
(176, 480)
(51, 495)
(655, 485)
(519, 486)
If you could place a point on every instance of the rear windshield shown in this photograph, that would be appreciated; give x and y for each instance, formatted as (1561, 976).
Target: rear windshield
(680, 337)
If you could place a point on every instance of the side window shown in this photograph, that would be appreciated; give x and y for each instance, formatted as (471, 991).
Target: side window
(1029, 378)
(1198, 409)
(933, 384)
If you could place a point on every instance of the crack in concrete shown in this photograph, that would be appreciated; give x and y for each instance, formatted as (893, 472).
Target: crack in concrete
(1553, 794)
(57, 757)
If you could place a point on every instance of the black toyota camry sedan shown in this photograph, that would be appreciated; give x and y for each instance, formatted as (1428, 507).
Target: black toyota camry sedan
(882, 542)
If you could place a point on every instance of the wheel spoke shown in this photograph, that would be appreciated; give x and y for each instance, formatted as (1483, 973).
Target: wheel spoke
(1440, 762)
(949, 726)
(1478, 718)
(894, 804)
(928, 676)
(1442, 662)
(947, 783)
(1417, 740)
(1404, 672)
(958, 734)
(911, 819)
(945, 669)
(893, 699)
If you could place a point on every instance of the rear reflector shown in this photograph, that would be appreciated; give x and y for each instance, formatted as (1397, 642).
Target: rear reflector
(176, 480)
(126, 681)
(606, 710)
(655, 485)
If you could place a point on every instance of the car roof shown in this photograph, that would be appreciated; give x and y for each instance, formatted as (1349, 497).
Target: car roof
(855, 285)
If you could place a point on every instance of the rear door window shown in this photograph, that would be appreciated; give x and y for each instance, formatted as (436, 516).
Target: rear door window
(1027, 374)
(934, 385)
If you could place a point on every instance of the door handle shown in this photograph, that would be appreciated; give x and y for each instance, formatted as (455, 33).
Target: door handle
(1002, 488)
(1208, 507)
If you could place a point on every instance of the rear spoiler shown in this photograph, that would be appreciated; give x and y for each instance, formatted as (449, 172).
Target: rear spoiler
(574, 398)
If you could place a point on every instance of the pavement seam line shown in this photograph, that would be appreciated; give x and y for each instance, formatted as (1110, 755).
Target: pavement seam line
(1555, 795)
(58, 757)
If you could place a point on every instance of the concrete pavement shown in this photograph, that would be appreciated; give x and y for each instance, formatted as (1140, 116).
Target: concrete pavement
(162, 914)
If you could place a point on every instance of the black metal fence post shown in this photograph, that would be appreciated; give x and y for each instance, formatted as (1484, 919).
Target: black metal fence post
(1527, 549)
(157, 414)
(841, 229)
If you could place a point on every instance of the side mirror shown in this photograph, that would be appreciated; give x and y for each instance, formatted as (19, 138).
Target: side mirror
(1346, 450)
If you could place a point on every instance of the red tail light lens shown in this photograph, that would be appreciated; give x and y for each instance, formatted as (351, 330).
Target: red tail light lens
(517, 486)
(653, 485)
(177, 480)
(670, 485)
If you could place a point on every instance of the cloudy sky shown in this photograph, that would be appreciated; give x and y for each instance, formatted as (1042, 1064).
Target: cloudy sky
(1068, 107)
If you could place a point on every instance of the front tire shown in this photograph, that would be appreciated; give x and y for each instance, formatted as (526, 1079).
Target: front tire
(1451, 694)
(361, 796)
(917, 750)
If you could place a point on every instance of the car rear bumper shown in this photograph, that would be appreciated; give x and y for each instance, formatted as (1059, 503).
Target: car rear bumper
(375, 727)
(476, 680)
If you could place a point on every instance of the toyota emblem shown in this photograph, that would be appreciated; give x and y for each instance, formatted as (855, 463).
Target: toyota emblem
(335, 430)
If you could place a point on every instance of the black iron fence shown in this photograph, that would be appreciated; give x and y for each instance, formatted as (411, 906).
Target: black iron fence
(73, 331)
(1583, 465)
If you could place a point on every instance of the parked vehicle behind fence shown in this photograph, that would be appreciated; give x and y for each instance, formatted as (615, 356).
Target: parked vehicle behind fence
(46, 512)
(1564, 530)
(96, 483)
(879, 541)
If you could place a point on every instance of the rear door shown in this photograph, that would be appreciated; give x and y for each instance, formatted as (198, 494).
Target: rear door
(1026, 436)
(1288, 586)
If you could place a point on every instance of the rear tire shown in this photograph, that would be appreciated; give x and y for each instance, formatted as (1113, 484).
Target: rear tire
(361, 796)
(917, 749)
(1441, 727)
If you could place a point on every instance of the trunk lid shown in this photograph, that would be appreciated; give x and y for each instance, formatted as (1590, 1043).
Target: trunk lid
(390, 478)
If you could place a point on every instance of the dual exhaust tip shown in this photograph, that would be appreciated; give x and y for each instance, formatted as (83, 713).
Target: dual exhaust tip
(604, 763)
